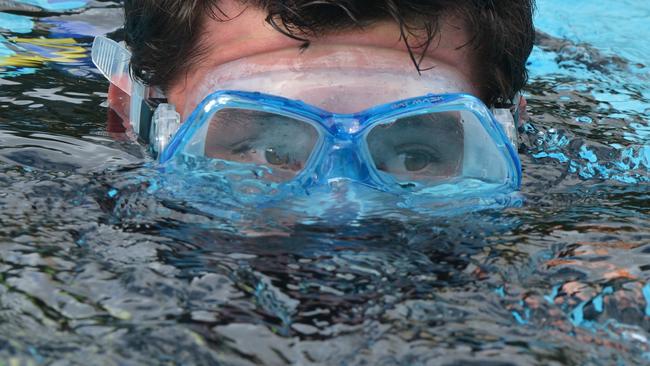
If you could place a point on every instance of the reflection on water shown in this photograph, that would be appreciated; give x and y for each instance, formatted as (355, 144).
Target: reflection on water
(102, 259)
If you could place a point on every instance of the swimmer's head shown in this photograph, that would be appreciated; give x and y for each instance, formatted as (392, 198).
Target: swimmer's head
(412, 98)
(177, 44)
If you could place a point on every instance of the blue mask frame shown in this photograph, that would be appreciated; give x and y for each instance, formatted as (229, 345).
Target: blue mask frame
(341, 152)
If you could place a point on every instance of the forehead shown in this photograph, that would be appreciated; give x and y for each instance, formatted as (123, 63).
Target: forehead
(246, 34)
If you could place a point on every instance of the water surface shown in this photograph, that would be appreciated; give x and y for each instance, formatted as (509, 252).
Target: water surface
(102, 261)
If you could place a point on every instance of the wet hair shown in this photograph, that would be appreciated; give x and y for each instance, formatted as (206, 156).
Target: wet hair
(164, 35)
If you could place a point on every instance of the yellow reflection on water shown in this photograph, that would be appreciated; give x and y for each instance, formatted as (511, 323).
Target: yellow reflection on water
(34, 52)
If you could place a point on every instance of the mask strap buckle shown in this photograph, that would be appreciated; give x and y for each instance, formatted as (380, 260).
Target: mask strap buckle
(508, 118)
(165, 122)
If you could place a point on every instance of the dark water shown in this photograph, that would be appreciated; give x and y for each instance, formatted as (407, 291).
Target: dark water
(101, 264)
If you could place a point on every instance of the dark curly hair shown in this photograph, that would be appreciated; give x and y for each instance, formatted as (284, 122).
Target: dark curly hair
(164, 34)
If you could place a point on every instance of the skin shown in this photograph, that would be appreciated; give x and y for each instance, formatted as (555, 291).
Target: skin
(247, 34)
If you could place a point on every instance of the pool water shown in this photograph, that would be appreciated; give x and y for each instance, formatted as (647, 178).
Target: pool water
(103, 262)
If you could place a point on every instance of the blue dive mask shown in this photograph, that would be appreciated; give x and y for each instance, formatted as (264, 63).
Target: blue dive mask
(440, 144)
(400, 147)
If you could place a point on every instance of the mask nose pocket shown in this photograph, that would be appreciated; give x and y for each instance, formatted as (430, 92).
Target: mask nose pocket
(343, 161)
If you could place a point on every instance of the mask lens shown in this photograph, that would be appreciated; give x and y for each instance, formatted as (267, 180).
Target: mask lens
(424, 148)
(279, 143)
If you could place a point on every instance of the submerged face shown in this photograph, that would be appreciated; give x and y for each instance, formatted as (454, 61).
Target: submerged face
(247, 36)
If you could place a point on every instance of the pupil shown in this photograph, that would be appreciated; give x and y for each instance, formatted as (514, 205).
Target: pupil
(416, 161)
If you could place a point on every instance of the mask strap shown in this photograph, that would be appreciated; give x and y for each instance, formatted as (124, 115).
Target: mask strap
(516, 105)
(113, 59)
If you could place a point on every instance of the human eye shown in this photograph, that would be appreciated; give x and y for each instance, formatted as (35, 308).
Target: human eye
(425, 148)
(264, 152)
(282, 158)
(415, 161)
(416, 158)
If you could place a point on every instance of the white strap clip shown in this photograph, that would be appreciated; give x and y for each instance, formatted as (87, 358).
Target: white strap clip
(165, 123)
